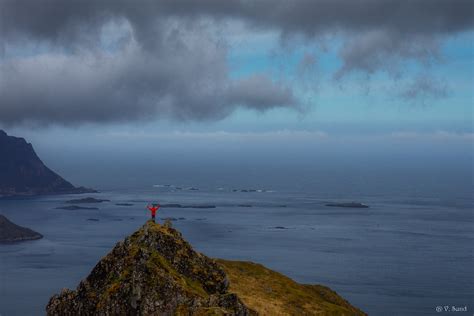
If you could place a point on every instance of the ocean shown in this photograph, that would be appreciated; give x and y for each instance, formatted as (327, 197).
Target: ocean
(407, 254)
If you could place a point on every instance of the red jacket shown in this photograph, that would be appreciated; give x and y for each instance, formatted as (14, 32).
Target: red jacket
(153, 209)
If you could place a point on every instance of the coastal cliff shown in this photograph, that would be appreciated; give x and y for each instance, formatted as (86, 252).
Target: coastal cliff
(22, 173)
(156, 272)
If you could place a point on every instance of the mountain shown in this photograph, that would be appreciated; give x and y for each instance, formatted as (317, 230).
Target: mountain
(10, 232)
(156, 272)
(23, 173)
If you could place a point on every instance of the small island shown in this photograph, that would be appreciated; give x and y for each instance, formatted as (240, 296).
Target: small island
(10, 232)
(349, 205)
(155, 271)
(86, 200)
(174, 205)
(75, 208)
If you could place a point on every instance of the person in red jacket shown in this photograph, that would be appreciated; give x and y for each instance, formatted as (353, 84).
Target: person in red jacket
(153, 208)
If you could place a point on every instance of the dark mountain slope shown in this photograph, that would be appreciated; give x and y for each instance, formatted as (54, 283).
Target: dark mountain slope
(23, 173)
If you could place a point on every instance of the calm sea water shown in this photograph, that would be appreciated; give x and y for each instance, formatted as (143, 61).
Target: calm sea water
(410, 252)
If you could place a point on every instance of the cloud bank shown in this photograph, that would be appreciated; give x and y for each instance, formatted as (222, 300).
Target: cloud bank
(112, 61)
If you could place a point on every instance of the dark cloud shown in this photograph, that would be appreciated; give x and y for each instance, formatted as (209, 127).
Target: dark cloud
(169, 59)
(378, 50)
(423, 87)
(184, 81)
(260, 92)
(66, 21)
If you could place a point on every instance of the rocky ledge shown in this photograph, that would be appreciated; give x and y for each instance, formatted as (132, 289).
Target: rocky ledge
(156, 272)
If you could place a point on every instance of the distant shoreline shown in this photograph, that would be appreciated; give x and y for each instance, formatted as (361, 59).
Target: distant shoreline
(27, 195)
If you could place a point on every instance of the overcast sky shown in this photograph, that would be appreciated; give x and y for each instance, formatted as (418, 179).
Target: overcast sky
(177, 71)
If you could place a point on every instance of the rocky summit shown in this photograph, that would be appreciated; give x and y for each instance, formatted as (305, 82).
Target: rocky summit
(156, 272)
(22, 173)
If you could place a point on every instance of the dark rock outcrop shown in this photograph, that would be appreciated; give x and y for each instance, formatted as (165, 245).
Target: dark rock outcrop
(156, 272)
(22, 173)
(10, 232)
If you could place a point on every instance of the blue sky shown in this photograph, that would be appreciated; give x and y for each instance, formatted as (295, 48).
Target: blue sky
(360, 103)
